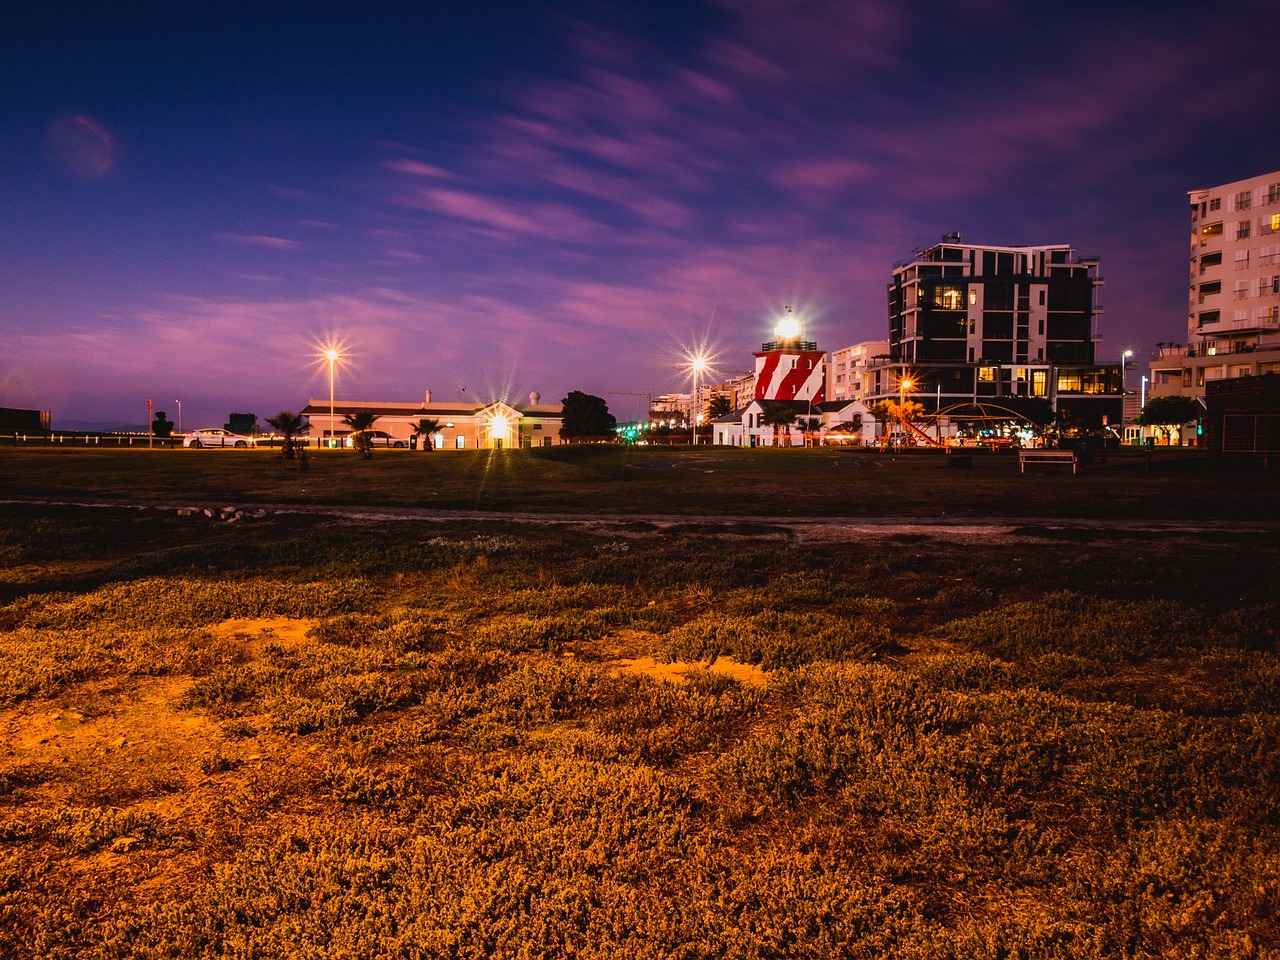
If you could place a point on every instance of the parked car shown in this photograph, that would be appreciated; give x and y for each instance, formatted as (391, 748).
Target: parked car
(215, 437)
(380, 438)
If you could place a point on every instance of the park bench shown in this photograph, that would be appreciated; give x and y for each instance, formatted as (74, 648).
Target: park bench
(1063, 457)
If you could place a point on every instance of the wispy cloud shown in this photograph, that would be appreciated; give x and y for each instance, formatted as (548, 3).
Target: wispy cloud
(260, 240)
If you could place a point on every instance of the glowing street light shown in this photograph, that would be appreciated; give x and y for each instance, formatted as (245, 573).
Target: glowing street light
(904, 384)
(179, 403)
(332, 355)
(697, 366)
(1124, 371)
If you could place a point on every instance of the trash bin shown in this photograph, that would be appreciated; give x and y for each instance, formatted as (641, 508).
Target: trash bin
(413, 442)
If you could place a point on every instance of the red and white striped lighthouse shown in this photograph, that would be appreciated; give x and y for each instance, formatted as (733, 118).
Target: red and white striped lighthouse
(790, 368)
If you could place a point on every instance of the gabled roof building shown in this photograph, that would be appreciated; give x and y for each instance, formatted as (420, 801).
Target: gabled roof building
(463, 425)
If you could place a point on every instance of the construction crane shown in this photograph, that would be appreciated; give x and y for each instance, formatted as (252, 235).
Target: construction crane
(648, 401)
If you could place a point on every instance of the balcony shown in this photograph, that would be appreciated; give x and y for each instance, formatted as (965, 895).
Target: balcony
(1228, 327)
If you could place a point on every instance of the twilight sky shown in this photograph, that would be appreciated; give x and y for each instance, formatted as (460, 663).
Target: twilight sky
(553, 196)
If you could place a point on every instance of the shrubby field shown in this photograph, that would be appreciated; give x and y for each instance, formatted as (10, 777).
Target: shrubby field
(302, 738)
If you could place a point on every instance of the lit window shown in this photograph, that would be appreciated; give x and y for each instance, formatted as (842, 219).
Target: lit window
(949, 298)
(1039, 381)
(987, 374)
(973, 294)
(1068, 382)
(1209, 231)
(461, 442)
(1275, 223)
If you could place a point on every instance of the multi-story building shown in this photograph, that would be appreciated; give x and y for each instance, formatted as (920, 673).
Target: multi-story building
(1233, 307)
(969, 323)
(847, 369)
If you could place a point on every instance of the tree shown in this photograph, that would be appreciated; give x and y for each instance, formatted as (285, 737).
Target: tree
(883, 411)
(777, 415)
(720, 406)
(810, 426)
(361, 422)
(162, 428)
(1165, 413)
(289, 426)
(586, 417)
(427, 428)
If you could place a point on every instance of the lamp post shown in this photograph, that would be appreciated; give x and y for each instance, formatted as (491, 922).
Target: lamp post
(332, 356)
(1124, 371)
(905, 383)
(179, 403)
(697, 365)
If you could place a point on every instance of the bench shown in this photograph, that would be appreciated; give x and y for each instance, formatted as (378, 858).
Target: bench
(1063, 457)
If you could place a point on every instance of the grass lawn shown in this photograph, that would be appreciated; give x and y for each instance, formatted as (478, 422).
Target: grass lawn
(649, 480)
(307, 736)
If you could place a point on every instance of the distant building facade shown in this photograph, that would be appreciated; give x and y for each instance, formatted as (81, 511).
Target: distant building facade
(972, 323)
(1233, 307)
(16, 419)
(847, 369)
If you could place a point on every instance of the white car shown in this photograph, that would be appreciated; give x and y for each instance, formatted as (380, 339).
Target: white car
(215, 437)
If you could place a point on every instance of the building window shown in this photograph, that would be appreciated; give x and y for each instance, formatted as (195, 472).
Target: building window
(1039, 382)
(1242, 290)
(987, 374)
(1244, 200)
(1209, 289)
(1243, 229)
(1068, 381)
(949, 298)
(460, 442)
(1209, 231)
(973, 297)
(1042, 298)
(1215, 204)
(1242, 260)
(1275, 223)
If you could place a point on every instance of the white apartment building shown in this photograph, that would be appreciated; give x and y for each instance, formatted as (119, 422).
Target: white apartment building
(1233, 306)
(847, 369)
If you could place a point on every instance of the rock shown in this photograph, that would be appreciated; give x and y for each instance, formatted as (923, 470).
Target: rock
(123, 844)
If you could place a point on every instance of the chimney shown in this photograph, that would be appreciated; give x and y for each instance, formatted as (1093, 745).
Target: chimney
(535, 397)
(428, 400)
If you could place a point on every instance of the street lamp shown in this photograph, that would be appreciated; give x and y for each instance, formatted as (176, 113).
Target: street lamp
(333, 357)
(697, 365)
(905, 384)
(1124, 371)
(179, 403)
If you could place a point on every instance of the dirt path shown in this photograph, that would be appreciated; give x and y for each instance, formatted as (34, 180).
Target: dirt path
(807, 528)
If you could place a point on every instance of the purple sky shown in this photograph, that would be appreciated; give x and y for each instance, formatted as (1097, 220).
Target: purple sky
(557, 196)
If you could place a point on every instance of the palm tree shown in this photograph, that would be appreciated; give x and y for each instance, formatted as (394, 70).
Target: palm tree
(720, 406)
(426, 428)
(778, 416)
(289, 425)
(360, 423)
(883, 411)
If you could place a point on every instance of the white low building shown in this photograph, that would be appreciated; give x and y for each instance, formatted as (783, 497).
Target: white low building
(462, 425)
